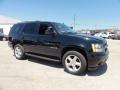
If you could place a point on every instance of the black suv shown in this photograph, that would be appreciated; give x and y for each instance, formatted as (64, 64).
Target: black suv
(57, 42)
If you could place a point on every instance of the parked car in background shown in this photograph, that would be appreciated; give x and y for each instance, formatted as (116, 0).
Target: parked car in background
(103, 35)
(1, 36)
(116, 35)
(106, 35)
(57, 42)
(111, 34)
(5, 38)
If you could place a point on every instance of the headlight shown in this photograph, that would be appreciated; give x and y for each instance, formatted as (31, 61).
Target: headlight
(97, 48)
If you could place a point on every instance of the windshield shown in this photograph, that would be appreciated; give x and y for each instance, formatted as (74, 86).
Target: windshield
(63, 29)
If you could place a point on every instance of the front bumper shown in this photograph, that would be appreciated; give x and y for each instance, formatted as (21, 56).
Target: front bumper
(97, 59)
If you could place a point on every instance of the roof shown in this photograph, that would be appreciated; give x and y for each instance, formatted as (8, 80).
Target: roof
(8, 20)
(36, 22)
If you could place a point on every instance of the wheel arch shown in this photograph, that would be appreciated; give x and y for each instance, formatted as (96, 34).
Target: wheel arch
(74, 48)
(15, 43)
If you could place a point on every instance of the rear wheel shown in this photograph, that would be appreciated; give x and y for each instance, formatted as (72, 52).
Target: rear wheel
(74, 62)
(19, 52)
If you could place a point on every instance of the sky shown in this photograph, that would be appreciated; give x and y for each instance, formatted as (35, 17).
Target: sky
(89, 14)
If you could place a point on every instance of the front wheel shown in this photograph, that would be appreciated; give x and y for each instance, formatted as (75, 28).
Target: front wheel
(74, 62)
(19, 52)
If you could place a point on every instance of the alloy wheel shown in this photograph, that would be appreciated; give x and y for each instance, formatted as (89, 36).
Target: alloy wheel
(73, 63)
(18, 52)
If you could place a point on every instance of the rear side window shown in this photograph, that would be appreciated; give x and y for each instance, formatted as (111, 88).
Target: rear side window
(30, 28)
(16, 28)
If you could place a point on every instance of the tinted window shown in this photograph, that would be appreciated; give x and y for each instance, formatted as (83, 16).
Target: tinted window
(30, 28)
(63, 29)
(45, 29)
(16, 28)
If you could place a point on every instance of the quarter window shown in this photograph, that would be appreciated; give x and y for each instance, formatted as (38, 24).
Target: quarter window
(16, 28)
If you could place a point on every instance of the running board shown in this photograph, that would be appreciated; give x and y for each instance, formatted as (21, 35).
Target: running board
(41, 57)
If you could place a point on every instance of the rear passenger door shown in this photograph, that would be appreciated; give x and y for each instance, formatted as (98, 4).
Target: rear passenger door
(29, 37)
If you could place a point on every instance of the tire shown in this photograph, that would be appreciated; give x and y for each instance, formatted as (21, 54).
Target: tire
(79, 63)
(19, 52)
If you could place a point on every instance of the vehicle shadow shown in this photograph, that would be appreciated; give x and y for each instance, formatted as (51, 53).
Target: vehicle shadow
(100, 71)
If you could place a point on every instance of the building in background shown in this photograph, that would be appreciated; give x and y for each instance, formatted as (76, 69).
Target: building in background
(6, 23)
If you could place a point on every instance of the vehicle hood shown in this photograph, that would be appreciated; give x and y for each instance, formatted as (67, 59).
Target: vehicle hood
(88, 38)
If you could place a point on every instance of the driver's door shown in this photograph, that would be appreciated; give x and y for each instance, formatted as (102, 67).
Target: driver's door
(47, 44)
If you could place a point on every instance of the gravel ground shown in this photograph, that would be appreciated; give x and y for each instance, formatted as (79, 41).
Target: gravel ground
(36, 74)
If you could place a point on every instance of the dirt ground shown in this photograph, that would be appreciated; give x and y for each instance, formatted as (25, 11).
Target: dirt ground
(36, 74)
